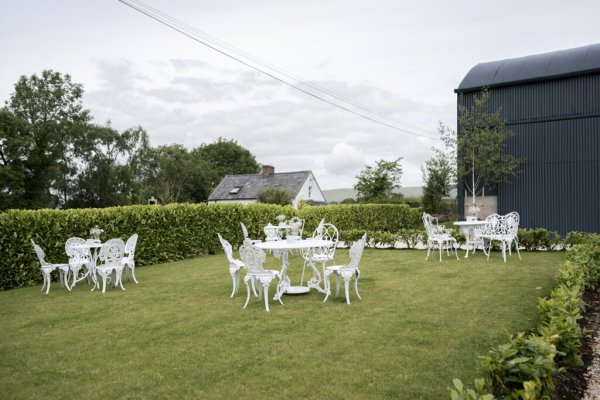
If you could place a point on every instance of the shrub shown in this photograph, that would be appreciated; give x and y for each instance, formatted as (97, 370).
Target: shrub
(169, 233)
(274, 195)
(523, 367)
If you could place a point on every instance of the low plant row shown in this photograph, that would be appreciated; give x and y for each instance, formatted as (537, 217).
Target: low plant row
(525, 366)
(171, 232)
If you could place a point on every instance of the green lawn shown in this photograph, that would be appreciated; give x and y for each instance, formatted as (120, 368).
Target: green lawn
(178, 334)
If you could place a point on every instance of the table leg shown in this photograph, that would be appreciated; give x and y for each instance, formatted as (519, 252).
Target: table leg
(284, 280)
(315, 281)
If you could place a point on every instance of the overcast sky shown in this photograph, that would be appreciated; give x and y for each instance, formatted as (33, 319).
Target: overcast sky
(399, 58)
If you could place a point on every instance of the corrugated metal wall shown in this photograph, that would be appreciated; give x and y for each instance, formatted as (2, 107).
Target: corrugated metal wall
(557, 128)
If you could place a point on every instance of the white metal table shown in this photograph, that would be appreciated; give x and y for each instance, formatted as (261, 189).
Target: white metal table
(284, 246)
(466, 228)
(93, 246)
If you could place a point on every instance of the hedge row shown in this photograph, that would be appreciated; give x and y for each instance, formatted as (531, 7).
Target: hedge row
(168, 233)
(525, 366)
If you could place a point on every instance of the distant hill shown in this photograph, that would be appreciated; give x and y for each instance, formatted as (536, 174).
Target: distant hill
(341, 194)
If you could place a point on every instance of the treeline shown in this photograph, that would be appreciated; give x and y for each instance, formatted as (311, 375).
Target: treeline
(52, 155)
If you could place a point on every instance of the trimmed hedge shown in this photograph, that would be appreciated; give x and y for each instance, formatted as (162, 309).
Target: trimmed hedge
(524, 367)
(168, 233)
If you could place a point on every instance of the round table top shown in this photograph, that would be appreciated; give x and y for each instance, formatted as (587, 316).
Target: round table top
(467, 223)
(295, 244)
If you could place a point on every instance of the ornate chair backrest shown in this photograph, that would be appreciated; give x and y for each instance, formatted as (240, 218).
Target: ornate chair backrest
(130, 245)
(252, 256)
(271, 232)
(112, 252)
(296, 227)
(318, 232)
(329, 232)
(40, 254)
(77, 255)
(244, 230)
(356, 251)
(512, 223)
(429, 222)
(493, 224)
(226, 248)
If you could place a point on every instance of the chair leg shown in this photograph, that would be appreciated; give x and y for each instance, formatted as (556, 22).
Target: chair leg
(327, 284)
(233, 278)
(246, 279)
(46, 282)
(66, 278)
(120, 278)
(104, 283)
(440, 247)
(504, 250)
(132, 268)
(266, 293)
(337, 284)
(356, 285)
(517, 247)
(428, 250)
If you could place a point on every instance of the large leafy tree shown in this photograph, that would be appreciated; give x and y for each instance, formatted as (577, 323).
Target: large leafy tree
(376, 184)
(481, 155)
(107, 161)
(173, 174)
(227, 157)
(41, 120)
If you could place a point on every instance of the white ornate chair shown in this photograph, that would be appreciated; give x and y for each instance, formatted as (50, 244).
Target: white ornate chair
(271, 233)
(321, 255)
(253, 258)
(79, 257)
(346, 271)
(503, 229)
(128, 261)
(245, 232)
(438, 236)
(234, 265)
(110, 256)
(47, 268)
(295, 227)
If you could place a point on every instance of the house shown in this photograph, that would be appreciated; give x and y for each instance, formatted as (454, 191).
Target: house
(301, 185)
(551, 102)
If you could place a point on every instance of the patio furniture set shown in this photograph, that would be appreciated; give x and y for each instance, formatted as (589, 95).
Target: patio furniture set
(501, 229)
(282, 240)
(90, 259)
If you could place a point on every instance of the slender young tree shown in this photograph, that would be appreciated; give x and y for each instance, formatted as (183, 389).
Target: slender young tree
(481, 147)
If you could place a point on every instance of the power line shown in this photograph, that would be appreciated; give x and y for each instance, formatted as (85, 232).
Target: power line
(183, 28)
(259, 61)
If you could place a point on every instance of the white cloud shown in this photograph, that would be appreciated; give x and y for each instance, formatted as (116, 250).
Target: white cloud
(344, 158)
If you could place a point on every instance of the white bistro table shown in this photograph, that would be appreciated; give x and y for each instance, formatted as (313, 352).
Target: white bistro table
(284, 247)
(93, 246)
(466, 228)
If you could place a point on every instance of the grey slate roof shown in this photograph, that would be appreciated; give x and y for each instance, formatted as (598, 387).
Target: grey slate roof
(253, 184)
(562, 63)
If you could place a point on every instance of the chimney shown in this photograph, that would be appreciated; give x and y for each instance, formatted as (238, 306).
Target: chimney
(267, 170)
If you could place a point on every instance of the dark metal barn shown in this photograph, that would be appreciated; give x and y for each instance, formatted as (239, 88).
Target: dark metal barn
(552, 104)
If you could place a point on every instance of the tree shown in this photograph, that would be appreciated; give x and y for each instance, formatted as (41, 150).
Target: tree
(439, 176)
(274, 195)
(50, 115)
(106, 175)
(481, 148)
(173, 174)
(227, 157)
(376, 184)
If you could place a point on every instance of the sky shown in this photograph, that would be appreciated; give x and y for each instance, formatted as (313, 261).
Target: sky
(401, 59)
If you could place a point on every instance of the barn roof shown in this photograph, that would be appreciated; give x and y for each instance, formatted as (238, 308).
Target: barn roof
(538, 67)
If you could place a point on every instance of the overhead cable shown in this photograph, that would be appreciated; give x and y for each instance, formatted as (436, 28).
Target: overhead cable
(206, 39)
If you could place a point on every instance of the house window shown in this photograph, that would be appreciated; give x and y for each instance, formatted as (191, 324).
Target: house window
(309, 192)
(235, 190)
